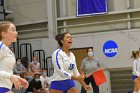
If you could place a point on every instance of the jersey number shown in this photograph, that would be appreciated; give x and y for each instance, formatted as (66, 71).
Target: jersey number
(71, 66)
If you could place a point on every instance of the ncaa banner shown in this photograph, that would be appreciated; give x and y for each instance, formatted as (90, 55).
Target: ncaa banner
(91, 7)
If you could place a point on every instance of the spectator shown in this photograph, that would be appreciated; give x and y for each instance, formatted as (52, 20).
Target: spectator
(34, 66)
(18, 67)
(35, 85)
(25, 63)
(44, 80)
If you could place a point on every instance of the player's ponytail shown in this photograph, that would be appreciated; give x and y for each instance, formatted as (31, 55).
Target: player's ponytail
(135, 54)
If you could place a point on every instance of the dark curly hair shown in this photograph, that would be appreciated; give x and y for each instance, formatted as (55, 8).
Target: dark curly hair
(60, 37)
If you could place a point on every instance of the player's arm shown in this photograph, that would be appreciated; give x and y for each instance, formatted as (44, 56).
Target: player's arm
(3, 74)
(82, 67)
(79, 77)
(135, 68)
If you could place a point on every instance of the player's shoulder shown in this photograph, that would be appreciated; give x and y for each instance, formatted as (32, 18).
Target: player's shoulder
(58, 51)
(2, 46)
(71, 54)
(86, 58)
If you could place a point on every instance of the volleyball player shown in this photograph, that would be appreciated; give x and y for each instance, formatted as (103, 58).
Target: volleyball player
(8, 34)
(65, 69)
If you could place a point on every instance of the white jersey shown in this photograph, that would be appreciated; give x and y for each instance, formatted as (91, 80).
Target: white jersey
(43, 81)
(136, 67)
(7, 61)
(64, 66)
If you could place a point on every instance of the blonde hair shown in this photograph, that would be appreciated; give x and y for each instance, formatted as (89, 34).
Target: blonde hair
(4, 25)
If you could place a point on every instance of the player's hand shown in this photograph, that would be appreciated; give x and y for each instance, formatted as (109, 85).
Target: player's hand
(14, 79)
(99, 69)
(87, 87)
(81, 77)
(23, 82)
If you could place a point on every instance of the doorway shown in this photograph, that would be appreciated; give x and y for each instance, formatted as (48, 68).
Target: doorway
(80, 54)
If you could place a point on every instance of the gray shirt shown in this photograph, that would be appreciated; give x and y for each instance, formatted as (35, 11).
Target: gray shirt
(17, 69)
(89, 66)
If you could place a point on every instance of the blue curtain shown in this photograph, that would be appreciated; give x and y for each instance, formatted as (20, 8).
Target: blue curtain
(91, 7)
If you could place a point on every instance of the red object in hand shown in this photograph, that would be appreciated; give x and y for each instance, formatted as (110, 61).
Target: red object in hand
(99, 77)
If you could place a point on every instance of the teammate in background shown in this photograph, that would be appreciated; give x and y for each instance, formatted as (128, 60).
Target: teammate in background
(8, 34)
(65, 69)
(89, 65)
(136, 70)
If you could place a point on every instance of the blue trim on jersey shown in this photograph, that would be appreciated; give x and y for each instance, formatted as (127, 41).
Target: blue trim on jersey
(1, 45)
(134, 77)
(57, 59)
(66, 74)
(3, 90)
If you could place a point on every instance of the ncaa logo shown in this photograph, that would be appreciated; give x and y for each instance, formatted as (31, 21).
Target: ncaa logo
(110, 48)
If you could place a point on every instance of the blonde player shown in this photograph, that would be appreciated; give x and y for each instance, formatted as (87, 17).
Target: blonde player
(8, 34)
(136, 71)
(65, 69)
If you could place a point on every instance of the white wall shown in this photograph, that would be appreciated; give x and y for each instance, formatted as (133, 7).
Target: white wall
(49, 46)
(127, 40)
(27, 11)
